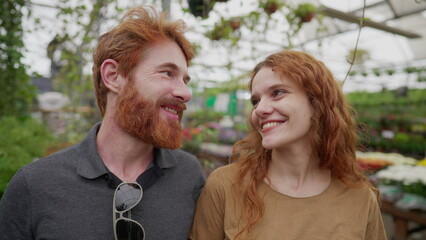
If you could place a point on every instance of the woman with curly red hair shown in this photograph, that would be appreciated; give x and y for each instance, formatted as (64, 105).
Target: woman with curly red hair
(295, 175)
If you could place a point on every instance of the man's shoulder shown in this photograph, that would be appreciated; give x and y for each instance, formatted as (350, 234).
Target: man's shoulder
(185, 159)
(46, 170)
(182, 162)
(55, 160)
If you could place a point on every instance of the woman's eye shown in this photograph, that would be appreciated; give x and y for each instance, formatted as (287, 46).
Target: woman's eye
(254, 102)
(278, 93)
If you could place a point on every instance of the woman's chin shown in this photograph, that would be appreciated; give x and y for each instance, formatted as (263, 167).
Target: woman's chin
(268, 145)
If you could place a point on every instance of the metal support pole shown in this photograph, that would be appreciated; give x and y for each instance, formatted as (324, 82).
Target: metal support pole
(166, 7)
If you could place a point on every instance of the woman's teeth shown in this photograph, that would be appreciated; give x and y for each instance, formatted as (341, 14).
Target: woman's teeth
(270, 124)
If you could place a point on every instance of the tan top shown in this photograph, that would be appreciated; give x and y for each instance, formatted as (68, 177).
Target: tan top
(340, 212)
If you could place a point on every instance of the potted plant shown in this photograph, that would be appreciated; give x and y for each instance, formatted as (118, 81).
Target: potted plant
(377, 72)
(358, 56)
(225, 29)
(390, 72)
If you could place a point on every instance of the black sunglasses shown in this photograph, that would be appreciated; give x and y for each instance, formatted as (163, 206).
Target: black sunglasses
(127, 195)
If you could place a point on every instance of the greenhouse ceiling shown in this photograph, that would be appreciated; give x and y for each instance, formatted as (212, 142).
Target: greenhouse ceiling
(392, 38)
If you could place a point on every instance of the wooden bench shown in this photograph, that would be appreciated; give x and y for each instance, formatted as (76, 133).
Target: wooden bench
(401, 219)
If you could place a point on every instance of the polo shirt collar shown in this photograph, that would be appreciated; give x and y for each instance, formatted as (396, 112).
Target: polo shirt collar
(91, 165)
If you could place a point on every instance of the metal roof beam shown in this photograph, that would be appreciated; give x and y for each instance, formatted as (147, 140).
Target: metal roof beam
(348, 17)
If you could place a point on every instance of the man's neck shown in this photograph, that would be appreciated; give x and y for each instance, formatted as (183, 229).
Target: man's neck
(124, 155)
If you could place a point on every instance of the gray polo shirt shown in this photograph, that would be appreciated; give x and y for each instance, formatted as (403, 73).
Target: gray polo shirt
(68, 195)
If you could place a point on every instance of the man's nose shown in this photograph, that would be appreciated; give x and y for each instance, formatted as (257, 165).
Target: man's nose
(182, 92)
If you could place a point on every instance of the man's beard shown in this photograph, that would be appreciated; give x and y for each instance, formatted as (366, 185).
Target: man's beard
(141, 118)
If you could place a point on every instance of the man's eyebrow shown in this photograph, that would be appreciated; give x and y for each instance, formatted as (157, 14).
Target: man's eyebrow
(174, 67)
(169, 65)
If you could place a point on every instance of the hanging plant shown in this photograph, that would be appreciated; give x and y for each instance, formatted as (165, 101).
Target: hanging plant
(226, 29)
(221, 30)
(377, 72)
(305, 12)
(358, 56)
(200, 8)
(390, 72)
(421, 77)
(270, 6)
(410, 69)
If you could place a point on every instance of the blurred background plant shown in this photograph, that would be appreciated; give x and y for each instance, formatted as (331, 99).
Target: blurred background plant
(208, 126)
(22, 140)
(232, 39)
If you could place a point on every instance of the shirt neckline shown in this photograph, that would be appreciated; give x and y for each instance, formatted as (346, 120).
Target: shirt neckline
(268, 189)
(91, 165)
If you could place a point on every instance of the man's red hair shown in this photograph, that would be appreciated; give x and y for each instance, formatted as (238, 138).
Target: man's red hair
(127, 42)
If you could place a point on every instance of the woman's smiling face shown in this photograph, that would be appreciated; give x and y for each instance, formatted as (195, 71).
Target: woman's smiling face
(281, 110)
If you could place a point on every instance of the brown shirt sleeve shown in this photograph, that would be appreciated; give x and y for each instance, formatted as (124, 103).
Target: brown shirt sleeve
(209, 213)
(375, 229)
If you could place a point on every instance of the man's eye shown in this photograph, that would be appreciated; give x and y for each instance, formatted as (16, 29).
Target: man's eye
(168, 73)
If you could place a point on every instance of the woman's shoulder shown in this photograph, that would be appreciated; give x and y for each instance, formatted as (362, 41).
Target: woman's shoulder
(224, 175)
(364, 191)
(225, 171)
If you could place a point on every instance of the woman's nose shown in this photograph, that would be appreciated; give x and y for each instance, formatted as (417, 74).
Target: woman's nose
(263, 108)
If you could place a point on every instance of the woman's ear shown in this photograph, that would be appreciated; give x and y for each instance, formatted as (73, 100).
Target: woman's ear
(110, 76)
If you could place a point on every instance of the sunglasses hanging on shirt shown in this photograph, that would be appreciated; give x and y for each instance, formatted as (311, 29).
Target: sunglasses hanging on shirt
(127, 195)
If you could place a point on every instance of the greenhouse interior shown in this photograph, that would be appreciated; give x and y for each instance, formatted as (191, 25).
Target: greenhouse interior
(376, 50)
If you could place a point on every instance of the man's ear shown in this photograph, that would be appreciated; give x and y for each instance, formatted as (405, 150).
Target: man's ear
(110, 76)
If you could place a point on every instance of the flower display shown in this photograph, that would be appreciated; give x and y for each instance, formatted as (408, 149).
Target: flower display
(403, 174)
(422, 162)
(374, 161)
(404, 185)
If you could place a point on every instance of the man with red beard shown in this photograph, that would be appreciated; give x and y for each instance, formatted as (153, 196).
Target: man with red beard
(126, 180)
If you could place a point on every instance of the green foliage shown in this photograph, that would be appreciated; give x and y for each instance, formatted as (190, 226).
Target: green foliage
(226, 29)
(198, 118)
(15, 89)
(388, 110)
(390, 72)
(21, 141)
(270, 6)
(75, 50)
(358, 56)
(417, 188)
(71, 53)
(304, 9)
(200, 8)
(378, 99)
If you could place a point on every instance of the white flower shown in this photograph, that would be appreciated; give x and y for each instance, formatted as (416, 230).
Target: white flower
(405, 174)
